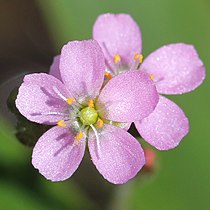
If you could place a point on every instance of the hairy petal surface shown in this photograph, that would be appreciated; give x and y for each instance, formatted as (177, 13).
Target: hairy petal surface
(56, 155)
(36, 98)
(82, 67)
(165, 127)
(118, 34)
(128, 97)
(120, 156)
(176, 68)
(54, 68)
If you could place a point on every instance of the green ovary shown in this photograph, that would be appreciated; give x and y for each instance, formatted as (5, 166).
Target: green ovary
(88, 116)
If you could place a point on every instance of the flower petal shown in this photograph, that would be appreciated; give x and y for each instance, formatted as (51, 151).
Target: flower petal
(118, 34)
(56, 155)
(128, 97)
(176, 68)
(36, 98)
(54, 68)
(165, 127)
(82, 67)
(120, 156)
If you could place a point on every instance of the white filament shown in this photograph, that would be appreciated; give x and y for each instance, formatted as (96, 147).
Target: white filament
(59, 93)
(55, 113)
(97, 139)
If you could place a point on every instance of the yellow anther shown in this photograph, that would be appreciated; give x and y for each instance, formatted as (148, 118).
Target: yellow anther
(117, 58)
(99, 123)
(138, 57)
(152, 76)
(70, 100)
(108, 75)
(78, 137)
(91, 103)
(61, 123)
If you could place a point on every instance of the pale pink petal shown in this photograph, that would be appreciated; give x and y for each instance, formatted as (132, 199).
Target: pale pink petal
(37, 98)
(82, 67)
(54, 68)
(128, 97)
(56, 155)
(176, 68)
(165, 127)
(118, 34)
(120, 156)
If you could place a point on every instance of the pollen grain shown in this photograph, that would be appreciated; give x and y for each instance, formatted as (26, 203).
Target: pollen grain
(152, 76)
(78, 137)
(70, 101)
(117, 58)
(99, 123)
(90, 103)
(61, 123)
(138, 57)
(108, 75)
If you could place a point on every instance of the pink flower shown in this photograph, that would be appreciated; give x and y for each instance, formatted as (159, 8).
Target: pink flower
(175, 69)
(84, 109)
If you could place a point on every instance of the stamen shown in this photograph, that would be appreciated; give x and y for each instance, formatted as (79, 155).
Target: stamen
(99, 123)
(59, 93)
(117, 58)
(78, 137)
(138, 57)
(152, 76)
(70, 100)
(110, 65)
(97, 139)
(106, 50)
(61, 123)
(90, 103)
(108, 75)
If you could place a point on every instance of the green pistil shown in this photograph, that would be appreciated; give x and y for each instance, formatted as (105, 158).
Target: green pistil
(88, 116)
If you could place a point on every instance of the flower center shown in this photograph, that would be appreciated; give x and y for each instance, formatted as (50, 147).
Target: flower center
(88, 116)
(119, 67)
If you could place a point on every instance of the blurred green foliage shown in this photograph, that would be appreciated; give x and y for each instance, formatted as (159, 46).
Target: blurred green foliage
(181, 180)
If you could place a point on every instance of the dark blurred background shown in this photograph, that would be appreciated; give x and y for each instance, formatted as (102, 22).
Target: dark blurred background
(31, 33)
(26, 44)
